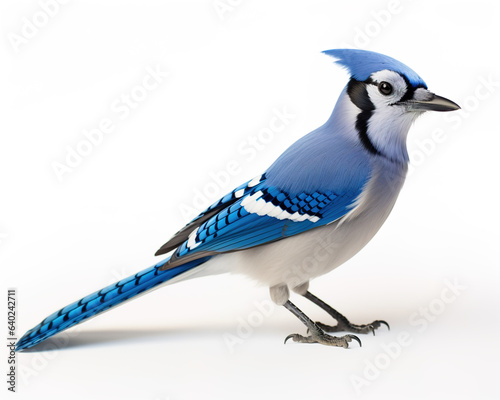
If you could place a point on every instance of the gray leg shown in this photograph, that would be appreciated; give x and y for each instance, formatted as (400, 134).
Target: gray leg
(316, 334)
(343, 324)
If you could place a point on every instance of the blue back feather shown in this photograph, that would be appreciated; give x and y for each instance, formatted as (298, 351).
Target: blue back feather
(321, 160)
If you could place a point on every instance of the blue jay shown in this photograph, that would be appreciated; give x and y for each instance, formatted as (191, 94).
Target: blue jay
(313, 209)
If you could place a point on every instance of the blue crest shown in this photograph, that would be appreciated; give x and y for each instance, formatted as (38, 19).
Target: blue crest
(362, 63)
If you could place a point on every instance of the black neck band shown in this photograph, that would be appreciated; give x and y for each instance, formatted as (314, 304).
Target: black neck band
(359, 96)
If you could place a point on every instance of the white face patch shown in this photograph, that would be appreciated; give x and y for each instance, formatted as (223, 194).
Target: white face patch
(389, 123)
(397, 82)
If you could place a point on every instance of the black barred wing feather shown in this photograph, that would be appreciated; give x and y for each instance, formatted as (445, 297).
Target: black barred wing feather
(261, 215)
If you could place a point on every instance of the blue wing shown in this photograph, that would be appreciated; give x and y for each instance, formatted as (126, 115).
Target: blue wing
(257, 213)
(181, 236)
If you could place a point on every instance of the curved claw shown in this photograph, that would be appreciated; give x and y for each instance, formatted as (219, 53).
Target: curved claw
(288, 337)
(386, 324)
(376, 324)
(356, 339)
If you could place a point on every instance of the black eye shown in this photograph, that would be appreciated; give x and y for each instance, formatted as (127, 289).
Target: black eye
(385, 88)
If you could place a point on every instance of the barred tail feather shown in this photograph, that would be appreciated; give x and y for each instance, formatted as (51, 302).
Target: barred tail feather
(102, 300)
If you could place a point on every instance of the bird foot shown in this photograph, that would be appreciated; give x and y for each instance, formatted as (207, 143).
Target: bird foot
(323, 338)
(346, 326)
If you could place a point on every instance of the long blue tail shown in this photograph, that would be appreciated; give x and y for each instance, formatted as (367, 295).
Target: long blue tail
(102, 300)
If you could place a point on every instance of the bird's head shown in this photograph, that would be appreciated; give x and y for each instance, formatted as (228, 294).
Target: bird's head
(386, 96)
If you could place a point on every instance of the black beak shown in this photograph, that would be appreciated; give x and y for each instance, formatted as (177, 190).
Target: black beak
(434, 103)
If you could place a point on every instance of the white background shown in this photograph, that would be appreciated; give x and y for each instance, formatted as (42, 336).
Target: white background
(228, 69)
